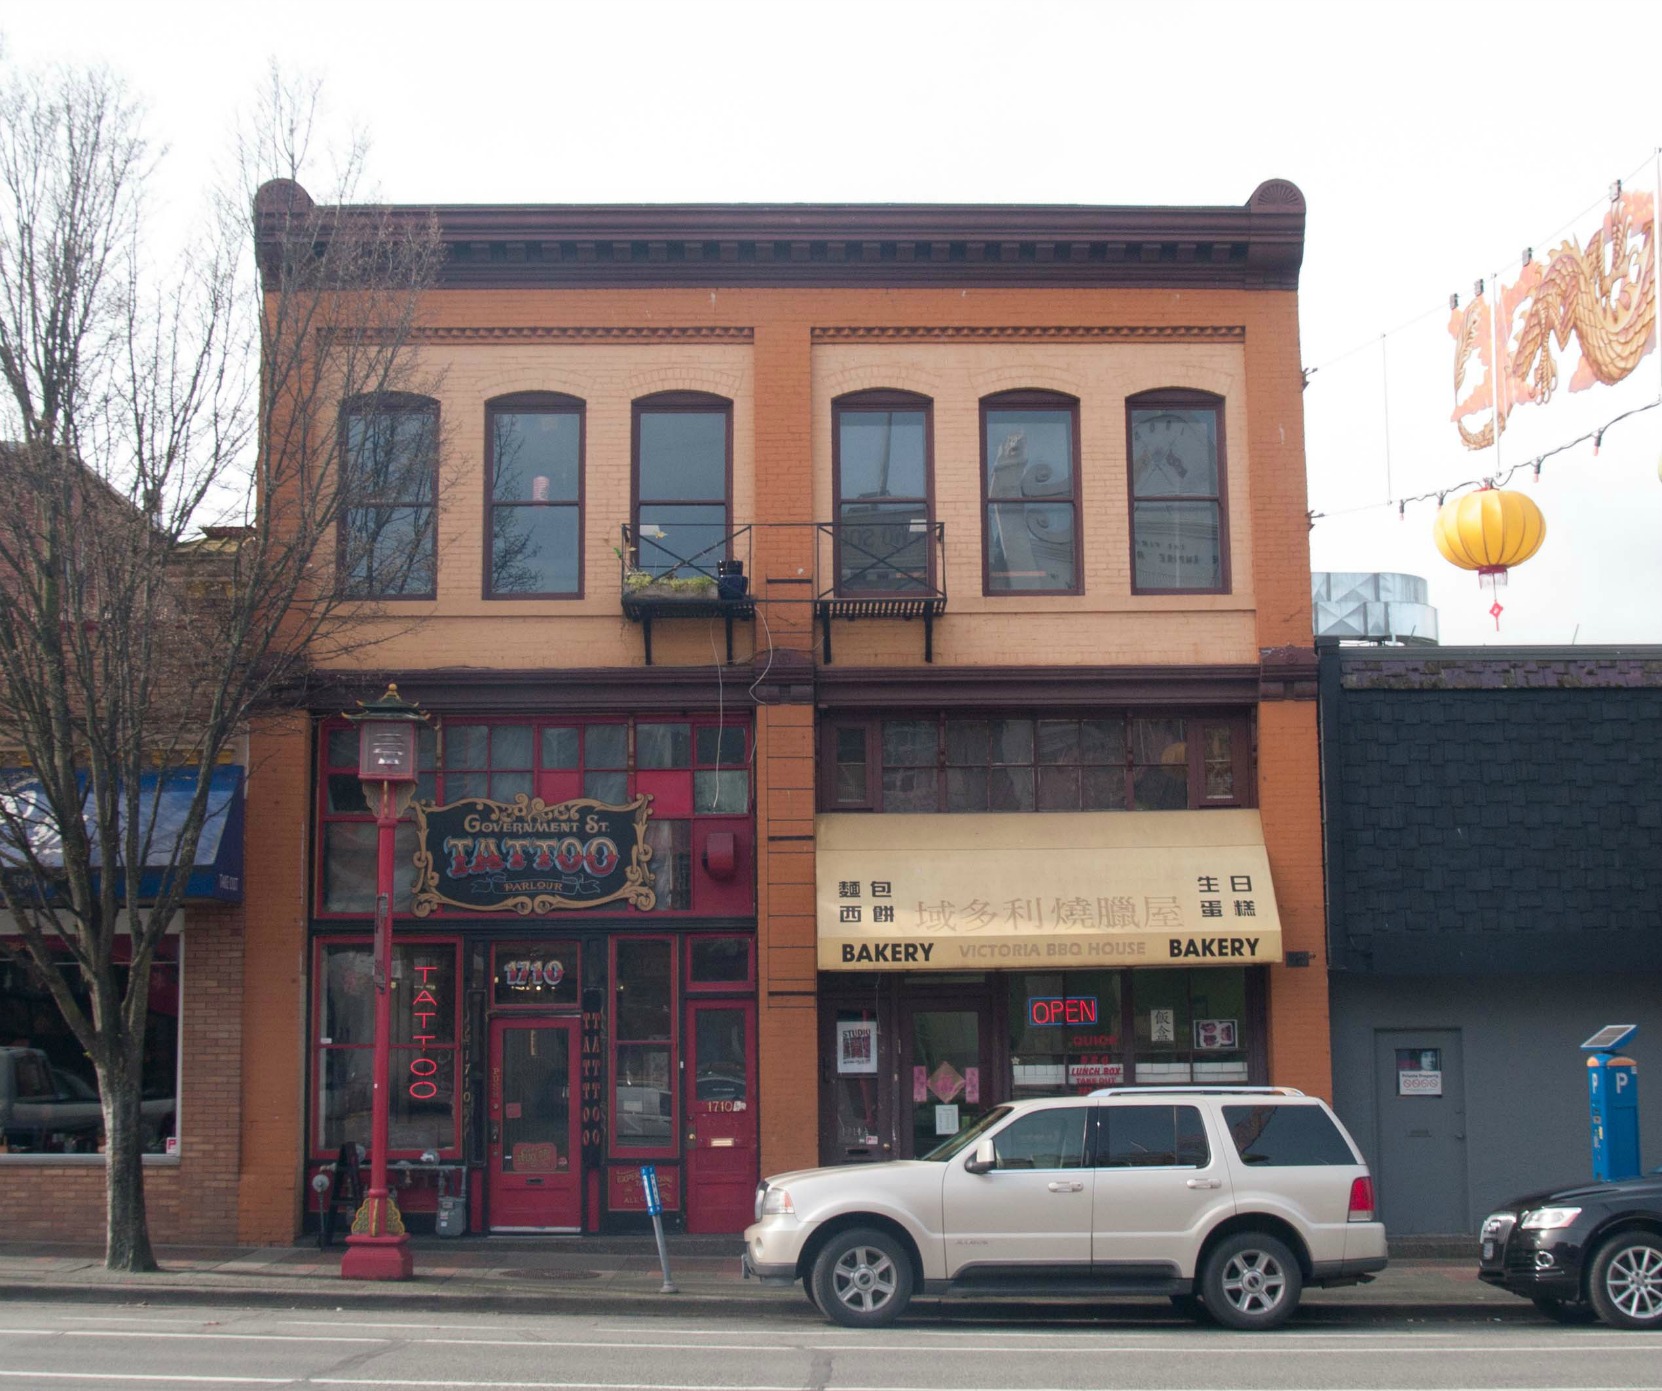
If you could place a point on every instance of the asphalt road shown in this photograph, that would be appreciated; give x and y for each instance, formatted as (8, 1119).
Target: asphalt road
(1139, 1347)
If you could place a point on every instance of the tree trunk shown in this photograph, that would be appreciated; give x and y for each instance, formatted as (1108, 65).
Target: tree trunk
(127, 1244)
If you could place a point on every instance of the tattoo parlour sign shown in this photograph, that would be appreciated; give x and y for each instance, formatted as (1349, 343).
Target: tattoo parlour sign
(977, 893)
(528, 857)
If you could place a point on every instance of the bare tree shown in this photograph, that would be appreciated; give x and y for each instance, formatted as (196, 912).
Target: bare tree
(188, 519)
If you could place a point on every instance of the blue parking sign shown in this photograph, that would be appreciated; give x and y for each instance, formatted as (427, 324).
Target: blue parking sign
(649, 1186)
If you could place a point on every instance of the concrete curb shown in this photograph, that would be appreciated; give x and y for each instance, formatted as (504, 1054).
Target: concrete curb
(782, 1304)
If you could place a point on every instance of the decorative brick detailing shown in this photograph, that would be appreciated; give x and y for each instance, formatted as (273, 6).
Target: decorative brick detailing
(560, 333)
(1287, 673)
(1033, 333)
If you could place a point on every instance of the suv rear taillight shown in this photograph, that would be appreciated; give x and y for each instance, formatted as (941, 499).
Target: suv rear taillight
(1361, 1200)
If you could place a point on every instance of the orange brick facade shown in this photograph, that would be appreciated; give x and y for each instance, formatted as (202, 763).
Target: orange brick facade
(780, 352)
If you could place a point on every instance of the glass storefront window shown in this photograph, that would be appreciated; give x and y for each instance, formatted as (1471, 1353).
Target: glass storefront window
(1065, 1034)
(422, 1098)
(1190, 1026)
(54, 1090)
(643, 1058)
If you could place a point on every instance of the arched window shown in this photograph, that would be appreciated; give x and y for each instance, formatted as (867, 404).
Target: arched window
(882, 446)
(389, 485)
(1030, 488)
(534, 496)
(1179, 517)
(683, 445)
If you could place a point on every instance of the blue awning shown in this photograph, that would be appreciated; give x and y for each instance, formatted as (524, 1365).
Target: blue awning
(165, 795)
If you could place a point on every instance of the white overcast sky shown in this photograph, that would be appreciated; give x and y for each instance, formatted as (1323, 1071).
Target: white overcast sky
(1433, 141)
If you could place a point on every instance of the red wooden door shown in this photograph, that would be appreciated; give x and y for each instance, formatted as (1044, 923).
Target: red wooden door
(535, 1169)
(721, 1115)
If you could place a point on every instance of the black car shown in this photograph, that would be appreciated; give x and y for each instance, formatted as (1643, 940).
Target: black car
(1590, 1251)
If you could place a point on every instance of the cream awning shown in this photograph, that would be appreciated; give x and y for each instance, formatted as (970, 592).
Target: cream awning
(1090, 889)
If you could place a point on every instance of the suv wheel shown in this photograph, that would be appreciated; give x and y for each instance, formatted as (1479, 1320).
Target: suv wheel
(862, 1279)
(1251, 1281)
(1626, 1281)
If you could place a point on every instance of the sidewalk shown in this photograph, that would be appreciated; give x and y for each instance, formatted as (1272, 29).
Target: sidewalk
(577, 1274)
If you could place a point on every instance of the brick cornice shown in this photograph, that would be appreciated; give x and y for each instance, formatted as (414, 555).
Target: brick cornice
(1287, 673)
(1256, 245)
(594, 333)
(1059, 333)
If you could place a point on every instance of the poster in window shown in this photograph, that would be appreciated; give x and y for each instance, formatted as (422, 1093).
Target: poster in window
(856, 1047)
(528, 856)
(1215, 1034)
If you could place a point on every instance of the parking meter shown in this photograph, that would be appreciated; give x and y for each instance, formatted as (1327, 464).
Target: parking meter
(1613, 1104)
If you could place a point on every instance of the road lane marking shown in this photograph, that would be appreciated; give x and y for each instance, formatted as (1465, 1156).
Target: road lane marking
(212, 1337)
(171, 1377)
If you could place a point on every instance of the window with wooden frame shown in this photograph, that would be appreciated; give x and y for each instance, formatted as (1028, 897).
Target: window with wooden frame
(644, 1050)
(1091, 761)
(534, 496)
(882, 446)
(1179, 511)
(346, 860)
(1030, 493)
(425, 1093)
(683, 468)
(388, 547)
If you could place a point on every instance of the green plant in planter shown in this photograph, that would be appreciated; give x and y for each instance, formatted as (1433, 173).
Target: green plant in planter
(669, 586)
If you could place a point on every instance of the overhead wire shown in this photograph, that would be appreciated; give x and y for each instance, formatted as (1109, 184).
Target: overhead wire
(1498, 478)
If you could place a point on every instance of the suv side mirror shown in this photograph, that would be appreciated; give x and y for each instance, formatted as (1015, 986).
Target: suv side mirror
(983, 1159)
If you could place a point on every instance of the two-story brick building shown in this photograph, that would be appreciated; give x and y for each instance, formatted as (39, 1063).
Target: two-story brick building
(995, 774)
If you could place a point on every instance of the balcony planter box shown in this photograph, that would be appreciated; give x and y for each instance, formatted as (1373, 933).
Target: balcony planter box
(691, 589)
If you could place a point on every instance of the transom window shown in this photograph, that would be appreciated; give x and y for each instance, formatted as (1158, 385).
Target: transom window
(1178, 533)
(1030, 486)
(534, 460)
(1108, 761)
(683, 452)
(693, 767)
(389, 478)
(881, 450)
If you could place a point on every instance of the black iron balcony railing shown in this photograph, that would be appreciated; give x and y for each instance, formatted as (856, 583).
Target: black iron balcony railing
(879, 561)
(685, 572)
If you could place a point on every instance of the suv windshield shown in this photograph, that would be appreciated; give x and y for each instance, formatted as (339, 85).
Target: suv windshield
(956, 1144)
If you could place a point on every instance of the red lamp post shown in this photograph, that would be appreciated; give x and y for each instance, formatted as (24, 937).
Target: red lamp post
(379, 1247)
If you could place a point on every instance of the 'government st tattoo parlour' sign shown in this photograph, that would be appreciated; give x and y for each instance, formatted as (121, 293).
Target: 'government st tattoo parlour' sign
(526, 856)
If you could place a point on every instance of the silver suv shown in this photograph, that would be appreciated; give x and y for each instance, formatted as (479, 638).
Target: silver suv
(1229, 1200)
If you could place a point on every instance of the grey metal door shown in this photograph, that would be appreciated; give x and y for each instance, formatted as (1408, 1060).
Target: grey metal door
(1420, 1101)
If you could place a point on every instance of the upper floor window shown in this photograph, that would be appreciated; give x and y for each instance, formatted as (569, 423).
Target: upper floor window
(1099, 761)
(683, 477)
(534, 464)
(1178, 533)
(1030, 485)
(880, 459)
(389, 477)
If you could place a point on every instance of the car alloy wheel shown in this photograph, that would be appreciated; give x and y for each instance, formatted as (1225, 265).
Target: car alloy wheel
(862, 1279)
(1626, 1281)
(1252, 1281)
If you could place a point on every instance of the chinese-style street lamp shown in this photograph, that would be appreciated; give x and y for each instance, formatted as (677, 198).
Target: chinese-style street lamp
(379, 1247)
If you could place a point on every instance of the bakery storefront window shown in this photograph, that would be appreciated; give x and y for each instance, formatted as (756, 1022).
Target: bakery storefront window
(53, 1090)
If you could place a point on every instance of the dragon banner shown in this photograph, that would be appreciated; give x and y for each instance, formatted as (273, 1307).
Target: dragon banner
(1602, 296)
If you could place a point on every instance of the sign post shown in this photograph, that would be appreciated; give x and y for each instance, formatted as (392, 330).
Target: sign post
(1613, 1104)
(655, 1206)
